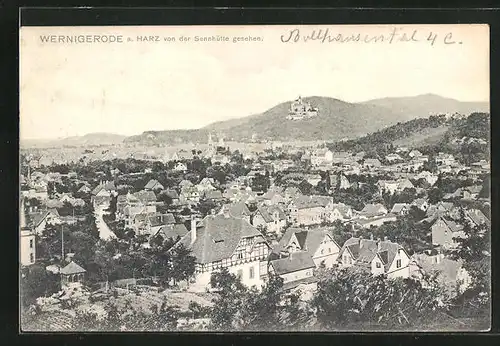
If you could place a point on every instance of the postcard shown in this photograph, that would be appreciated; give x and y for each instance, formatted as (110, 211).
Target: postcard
(255, 178)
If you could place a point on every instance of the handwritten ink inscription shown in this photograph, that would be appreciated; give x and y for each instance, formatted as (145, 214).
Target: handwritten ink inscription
(395, 35)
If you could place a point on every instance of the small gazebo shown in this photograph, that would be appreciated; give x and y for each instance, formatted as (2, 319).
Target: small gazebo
(72, 273)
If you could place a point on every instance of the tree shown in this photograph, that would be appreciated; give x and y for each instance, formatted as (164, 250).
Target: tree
(264, 309)
(183, 264)
(435, 195)
(229, 299)
(37, 282)
(164, 197)
(474, 249)
(350, 297)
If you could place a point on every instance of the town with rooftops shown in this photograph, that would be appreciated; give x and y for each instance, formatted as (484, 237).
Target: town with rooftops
(237, 234)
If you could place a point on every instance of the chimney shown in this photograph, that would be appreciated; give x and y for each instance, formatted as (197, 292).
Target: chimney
(360, 241)
(378, 244)
(193, 229)
(290, 256)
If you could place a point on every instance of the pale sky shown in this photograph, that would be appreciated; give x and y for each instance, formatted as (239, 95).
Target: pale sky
(69, 89)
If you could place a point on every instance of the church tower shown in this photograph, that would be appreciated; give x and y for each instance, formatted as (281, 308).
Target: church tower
(211, 148)
(221, 141)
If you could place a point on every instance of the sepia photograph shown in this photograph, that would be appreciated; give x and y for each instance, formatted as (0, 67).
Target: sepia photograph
(327, 178)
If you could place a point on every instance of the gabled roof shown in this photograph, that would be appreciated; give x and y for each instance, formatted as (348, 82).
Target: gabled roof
(364, 250)
(152, 184)
(398, 207)
(207, 180)
(212, 194)
(172, 194)
(309, 240)
(451, 224)
(218, 236)
(477, 216)
(185, 183)
(267, 212)
(172, 231)
(297, 261)
(72, 268)
(342, 208)
(372, 209)
(145, 196)
(238, 209)
(161, 219)
(97, 189)
(305, 202)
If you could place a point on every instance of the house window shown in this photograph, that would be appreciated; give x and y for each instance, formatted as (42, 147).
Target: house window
(251, 273)
(240, 274)
(398, 263)
(32, 258)
(31, 243)
(240, 255)
(329, 250)
(378, 265)
(322, 251)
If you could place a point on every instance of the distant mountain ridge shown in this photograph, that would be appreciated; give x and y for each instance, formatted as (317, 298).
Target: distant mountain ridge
(337, 120)
(96, 138)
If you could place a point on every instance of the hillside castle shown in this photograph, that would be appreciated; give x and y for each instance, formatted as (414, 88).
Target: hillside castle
(300, 109)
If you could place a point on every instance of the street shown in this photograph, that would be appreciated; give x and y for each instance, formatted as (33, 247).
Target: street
(104, 231)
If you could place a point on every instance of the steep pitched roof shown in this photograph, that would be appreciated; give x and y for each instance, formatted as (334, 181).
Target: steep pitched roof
(152, 183)
(36, 218)
(72, 268)
(267, 212)
(309, 240)
(477, 216)
(372, 209)
(212, 194)
(238, 209)
(218, 236)
(364, 250)
(452, 225)
(305, 202)
(297, 261)
(398, 207)
(97, 189)
(342, 208)
(172, 231)
(172, 194)
(145, 196)
(161, 219)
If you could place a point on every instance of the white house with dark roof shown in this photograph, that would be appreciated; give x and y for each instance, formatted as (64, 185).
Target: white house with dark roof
(309, 210)
(295, 269)
(226, 241)
(206, 184)
(376, 257)
(238, 209)
(153, 185)
(444, 230)
(372, 210)
(400, 208)
(171, 231)
(450, 273)
(270, 216)
(154, 222)
(339, 211)
(317, 243)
